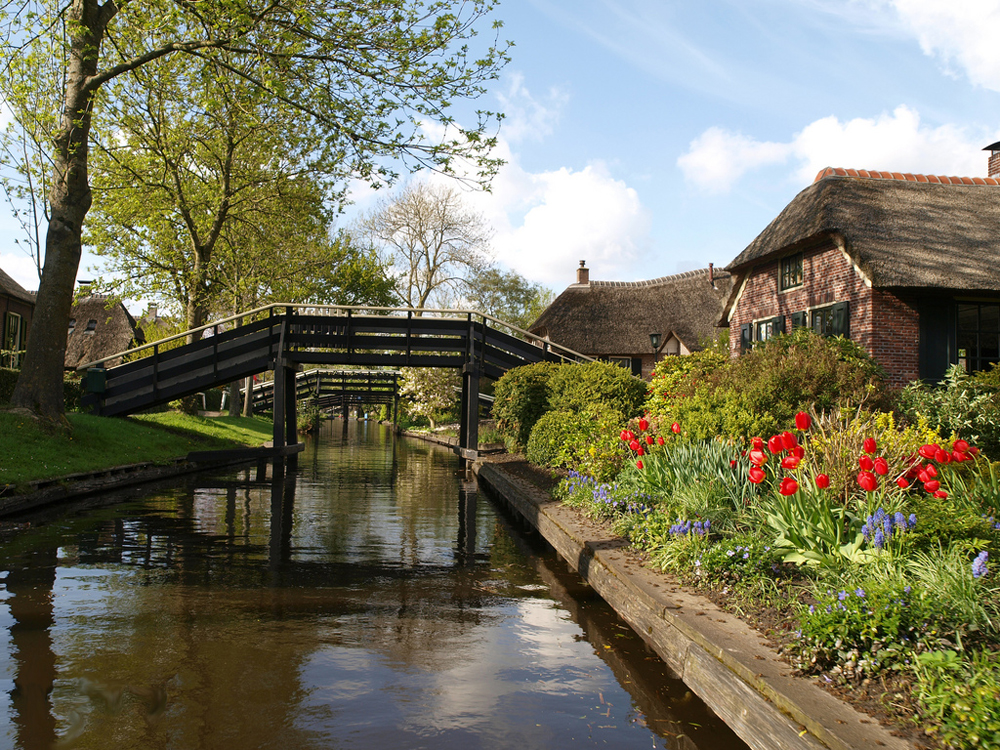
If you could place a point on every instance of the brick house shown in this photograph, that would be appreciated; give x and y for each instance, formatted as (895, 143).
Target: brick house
(613, 320)
(908, 266)
(16, 309)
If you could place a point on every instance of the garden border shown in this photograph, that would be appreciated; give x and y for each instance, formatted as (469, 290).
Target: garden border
(725, 662)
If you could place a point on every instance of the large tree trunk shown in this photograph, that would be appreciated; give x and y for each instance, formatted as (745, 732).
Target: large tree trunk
(39, 386)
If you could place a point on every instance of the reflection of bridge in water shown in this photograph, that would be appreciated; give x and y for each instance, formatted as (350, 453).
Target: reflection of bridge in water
(282, 338)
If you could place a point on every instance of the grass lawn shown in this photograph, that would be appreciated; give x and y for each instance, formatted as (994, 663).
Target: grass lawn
(28, 453)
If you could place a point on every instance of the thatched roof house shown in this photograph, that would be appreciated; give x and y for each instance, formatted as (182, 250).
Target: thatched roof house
(97, 330)
(891, 260)
(613, 320)
(16, 308)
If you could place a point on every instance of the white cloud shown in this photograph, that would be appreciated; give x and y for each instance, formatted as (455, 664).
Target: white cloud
(961, 33)
(717, 158)
(21, 268)
(895, 142)
(525, 116)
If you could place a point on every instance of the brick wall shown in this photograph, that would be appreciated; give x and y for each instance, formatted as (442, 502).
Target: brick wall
(883, 324)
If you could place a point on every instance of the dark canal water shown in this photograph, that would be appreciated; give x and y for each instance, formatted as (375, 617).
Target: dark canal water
(371, 600)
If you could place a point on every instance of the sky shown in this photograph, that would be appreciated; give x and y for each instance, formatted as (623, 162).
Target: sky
(652, 137)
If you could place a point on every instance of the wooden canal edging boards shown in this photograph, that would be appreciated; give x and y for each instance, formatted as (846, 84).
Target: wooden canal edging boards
(725, 662)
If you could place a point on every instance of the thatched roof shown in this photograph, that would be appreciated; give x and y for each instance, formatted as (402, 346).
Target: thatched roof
(113, 330)
(11, 288)
(901, 230)
(616, 317)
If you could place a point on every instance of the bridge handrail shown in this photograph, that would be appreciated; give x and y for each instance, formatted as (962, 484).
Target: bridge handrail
(530, 337)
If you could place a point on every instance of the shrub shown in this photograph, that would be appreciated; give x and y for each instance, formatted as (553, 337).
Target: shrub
(71, 387)
(959, 405)
(760, 392)
(585, 441)
(960, 697)
(596, 385)
(521, 397)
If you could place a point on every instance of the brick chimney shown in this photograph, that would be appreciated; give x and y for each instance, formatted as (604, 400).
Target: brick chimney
(583, 274)
(993, 165)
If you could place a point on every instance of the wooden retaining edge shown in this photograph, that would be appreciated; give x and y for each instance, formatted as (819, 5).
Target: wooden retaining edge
(725, 662)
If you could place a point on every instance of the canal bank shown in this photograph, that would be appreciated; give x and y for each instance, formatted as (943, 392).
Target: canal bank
(724, 661)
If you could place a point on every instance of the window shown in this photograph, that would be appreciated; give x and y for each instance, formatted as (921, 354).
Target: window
(634, 364)
(767, 329)
(832, 320)
(91, 325)
(978, 335)
(72, 324)
(791, 272)
(12, 341)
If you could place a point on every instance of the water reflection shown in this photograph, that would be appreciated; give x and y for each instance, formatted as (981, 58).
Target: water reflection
(370, 599)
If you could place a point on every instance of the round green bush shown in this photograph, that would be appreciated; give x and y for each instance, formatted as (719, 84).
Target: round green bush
(586, 441)
(596, 385)
(520, 397)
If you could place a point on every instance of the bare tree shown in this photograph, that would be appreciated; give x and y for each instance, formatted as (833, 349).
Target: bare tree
(432, 243)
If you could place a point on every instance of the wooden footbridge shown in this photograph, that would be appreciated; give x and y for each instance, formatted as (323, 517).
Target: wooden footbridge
(334, 390)
(284, 337)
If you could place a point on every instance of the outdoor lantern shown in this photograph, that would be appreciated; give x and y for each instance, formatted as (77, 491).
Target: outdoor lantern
(654, 339)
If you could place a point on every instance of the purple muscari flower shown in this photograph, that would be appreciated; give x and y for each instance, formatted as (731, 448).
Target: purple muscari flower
(866, 531)
(979, 569)
(879, 539)
(887, 528)
(900, 521)
(913, 520)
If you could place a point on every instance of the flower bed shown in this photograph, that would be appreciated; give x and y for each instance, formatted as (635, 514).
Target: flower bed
(869, 546)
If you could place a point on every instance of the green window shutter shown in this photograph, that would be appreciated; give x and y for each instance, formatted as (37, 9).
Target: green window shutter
(798, 320)
(841, 320)
(779, 323)
(746, 341)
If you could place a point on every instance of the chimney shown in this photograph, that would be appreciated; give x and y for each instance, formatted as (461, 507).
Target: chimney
(151, 310)
(583, 274)
(993, 165)
(711, 274)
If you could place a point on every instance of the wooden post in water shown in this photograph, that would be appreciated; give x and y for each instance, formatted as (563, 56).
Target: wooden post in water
(468, 436)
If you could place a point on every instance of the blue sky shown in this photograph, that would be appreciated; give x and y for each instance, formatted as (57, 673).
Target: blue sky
(650, 137)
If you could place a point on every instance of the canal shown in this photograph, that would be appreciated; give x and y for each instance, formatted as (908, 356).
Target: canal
(371, 599)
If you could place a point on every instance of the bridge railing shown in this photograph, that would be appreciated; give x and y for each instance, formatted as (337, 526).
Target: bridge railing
(278, 308)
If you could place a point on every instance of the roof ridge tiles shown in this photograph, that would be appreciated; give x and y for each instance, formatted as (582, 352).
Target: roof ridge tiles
(873, 174)
(661, 279)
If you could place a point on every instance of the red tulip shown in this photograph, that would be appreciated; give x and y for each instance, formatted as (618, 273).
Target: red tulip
(931, 470)
(928, 449)
(732, 464)
(932, 486)
(959, 456)
(660, 440)
(961, 446)
(643, 424)
(641, 451)
(973, 450)
(867, 481)
(789, 462)
(941, 494)
(775, 444)
(788, 486)
(866, 463)
(803, 421)
(799, 451)
(789, 440)
(675, 428)
(942, 456)
(624, 435)
(757, 443)
(923, 476)
(822, 481)
(869, 445)
(638, 464)
(649, 439)
(757, 475)
(634, 445)
(902, 483)
(881, 466)
(758, 458)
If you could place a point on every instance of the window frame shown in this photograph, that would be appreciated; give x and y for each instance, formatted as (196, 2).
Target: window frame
(791, 274)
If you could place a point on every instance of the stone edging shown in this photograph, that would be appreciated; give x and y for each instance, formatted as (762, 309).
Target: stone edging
(718, 656)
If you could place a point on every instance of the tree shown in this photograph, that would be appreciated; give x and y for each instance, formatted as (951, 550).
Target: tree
(431, 390)
(430, 241)
(369, 73)
(508, 296)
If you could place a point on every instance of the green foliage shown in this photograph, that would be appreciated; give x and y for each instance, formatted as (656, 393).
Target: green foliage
(760, 392)
(508, 296)
(521, 397)
(959, 695)
(859, 628)
(430, 391)
(813, 528)
(962, 604)
(960, 405)
(596, 385)
(582, 440)
(309, 416)
(743, 561)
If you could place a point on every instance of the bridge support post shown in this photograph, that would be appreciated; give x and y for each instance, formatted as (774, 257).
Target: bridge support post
(285, 424)
(468, 435)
